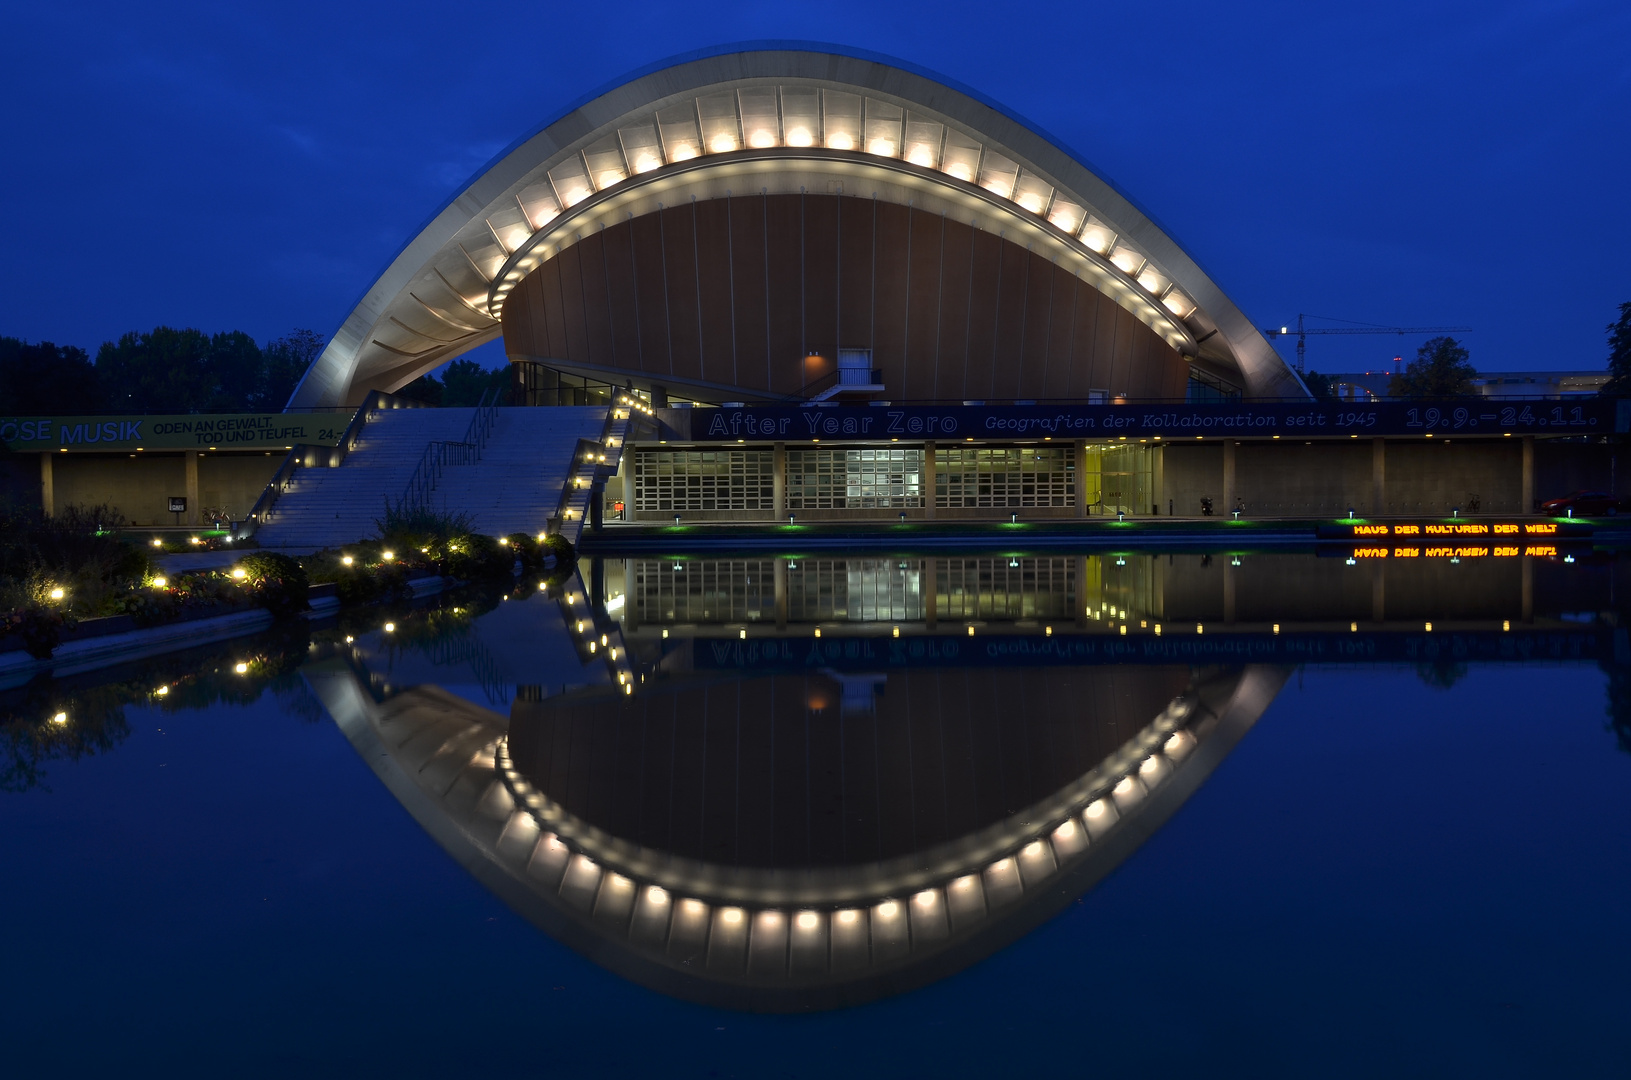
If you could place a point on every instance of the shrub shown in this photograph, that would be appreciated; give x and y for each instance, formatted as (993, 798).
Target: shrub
(560, 547)
(412, 526)
(527, 549)
(77, 549)
(279, 582)
(39, 627)
(470, 557)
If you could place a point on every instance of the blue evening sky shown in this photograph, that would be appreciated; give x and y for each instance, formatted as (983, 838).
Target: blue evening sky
(254, 166)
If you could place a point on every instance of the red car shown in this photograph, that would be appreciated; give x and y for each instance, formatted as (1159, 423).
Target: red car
(1583, 503)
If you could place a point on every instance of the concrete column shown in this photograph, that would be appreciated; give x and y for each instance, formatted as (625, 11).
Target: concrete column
(1378, 477)
(1158, 589)
(931, 592)
(192, 487)
(928, 480)
(778, 467)
(780, 570)
(1081, 592)
(631, 614)
(1526, 504)
(1081, 478)
(1228, 477)
(48, 487)
(1158, 476)
(625, 468)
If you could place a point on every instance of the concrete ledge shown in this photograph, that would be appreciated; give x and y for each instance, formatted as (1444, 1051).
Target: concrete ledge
(74, 657)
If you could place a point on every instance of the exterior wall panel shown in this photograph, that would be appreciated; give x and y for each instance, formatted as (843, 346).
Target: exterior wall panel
(714, 292)
(893, 273)
(735, 292)
(784, 257)
(821, 254)
(923, 308)
(951, 370)
(1061, 326)
(985, 276)
(1033, 371)
(647, 234)
(623, 310)
(680, 263)
(749, 299)
(856, 253)
(596, 310)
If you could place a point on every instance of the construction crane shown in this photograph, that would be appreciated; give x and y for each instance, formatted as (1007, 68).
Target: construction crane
(1302, 332)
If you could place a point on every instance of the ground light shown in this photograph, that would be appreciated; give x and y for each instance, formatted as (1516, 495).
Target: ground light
(57, 593)
(60, 718)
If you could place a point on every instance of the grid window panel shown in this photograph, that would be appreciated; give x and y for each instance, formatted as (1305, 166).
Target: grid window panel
(712, 591)
(977, 476)
(1006, 588)
(854, 479)
(693, 481)
(856, 590)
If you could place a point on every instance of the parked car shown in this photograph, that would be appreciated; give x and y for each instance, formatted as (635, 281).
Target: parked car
(1582, 503)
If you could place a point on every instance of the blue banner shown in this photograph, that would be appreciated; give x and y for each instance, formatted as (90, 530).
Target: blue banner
(871, 423)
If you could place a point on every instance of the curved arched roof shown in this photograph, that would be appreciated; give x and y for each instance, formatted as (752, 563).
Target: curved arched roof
(776, 117)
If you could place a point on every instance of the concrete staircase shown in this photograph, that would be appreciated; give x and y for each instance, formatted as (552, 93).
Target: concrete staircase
(515, 486)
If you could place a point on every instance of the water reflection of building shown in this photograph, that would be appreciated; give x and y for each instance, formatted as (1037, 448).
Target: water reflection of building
(762, 843)
(1138, 592)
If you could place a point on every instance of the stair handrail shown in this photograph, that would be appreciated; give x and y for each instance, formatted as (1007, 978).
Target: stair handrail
(584, 451)
(429, 470)
(308, 455)
(276, 486)
(481, 424)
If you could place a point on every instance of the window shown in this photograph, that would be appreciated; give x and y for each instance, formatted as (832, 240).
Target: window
(680, 481)
(1006, 588)
(701, 591)
(1005, 476)
(854, 479)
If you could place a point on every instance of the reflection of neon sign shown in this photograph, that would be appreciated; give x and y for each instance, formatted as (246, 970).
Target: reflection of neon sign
(1452, 551)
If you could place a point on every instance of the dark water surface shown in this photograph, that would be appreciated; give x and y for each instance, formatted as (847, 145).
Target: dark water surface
(1355, 846)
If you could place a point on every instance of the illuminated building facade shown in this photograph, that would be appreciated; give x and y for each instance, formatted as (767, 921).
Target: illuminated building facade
(784, 227)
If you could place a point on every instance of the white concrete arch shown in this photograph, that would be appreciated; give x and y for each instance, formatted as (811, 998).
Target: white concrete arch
(780, 118)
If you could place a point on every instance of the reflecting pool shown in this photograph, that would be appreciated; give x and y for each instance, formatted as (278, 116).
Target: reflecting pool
(1281, 814)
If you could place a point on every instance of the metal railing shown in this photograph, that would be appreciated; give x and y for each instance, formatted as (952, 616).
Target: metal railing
(481, 424)
(437, 456)
(312, 456)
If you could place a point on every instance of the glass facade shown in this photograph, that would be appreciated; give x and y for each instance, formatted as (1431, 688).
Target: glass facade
(718, 590)
(996, 476)
(679, 481)
(1120, 476)
(853, 479)
(855, 590)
